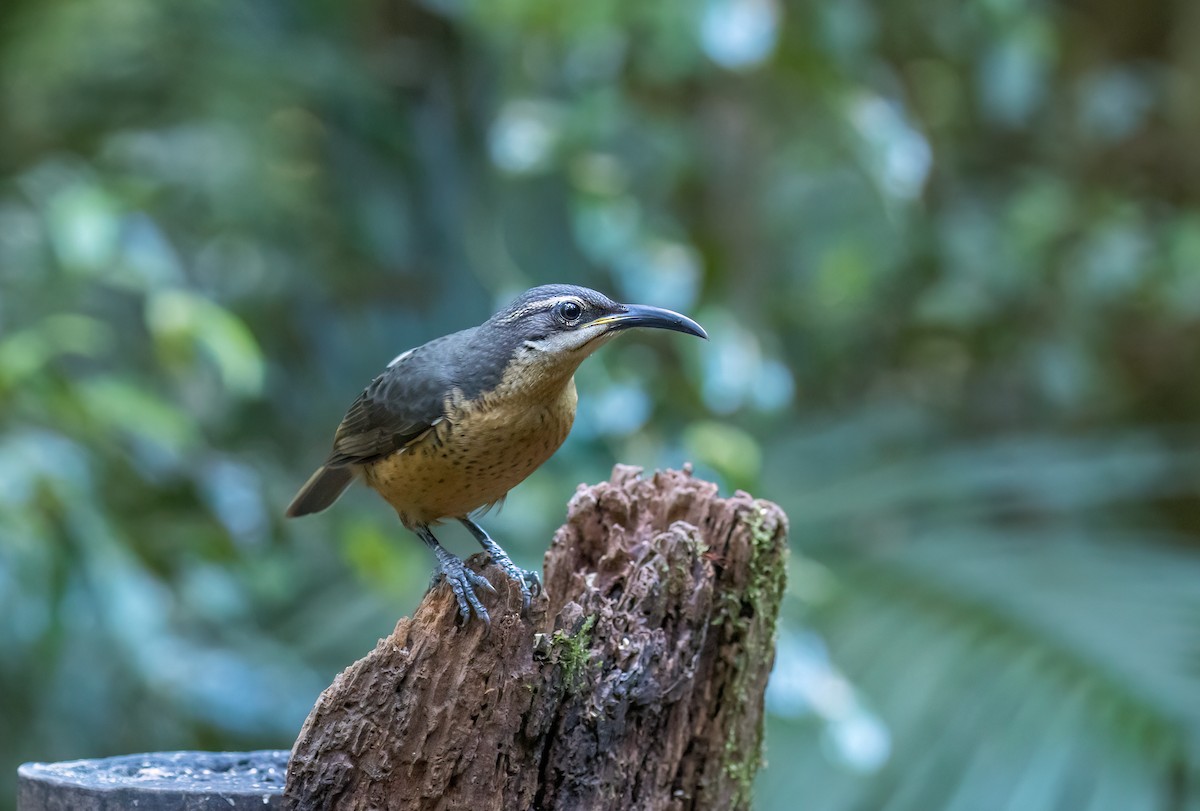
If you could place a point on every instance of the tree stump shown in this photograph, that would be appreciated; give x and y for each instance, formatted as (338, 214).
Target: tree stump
(634, 682)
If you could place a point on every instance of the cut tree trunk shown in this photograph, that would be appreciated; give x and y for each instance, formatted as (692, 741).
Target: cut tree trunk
(635, 682)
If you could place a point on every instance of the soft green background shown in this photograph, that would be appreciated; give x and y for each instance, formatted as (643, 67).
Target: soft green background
(948, 253)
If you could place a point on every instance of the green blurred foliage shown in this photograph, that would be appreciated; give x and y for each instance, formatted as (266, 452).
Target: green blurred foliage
(948, 253)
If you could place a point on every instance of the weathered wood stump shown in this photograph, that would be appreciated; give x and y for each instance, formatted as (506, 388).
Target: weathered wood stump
(635, 682)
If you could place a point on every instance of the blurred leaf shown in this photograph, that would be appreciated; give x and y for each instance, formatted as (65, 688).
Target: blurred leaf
(178, 319)
(733, 452)
(27, 353)
(1025, 641)
(125, 407)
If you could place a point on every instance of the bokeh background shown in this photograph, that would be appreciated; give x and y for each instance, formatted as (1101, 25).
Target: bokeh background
(948, 253)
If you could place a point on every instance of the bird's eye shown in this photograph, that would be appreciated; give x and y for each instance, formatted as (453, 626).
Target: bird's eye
(570, 311)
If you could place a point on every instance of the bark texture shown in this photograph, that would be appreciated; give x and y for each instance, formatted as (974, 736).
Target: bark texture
(635, 682)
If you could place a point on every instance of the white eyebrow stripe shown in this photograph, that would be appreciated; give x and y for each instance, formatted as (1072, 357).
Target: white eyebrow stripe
(544, 304)
(400, 357)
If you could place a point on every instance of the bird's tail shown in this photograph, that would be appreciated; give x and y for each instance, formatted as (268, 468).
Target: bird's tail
(321, 490)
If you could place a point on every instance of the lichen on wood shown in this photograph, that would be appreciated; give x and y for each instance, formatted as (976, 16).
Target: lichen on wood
(634, 682)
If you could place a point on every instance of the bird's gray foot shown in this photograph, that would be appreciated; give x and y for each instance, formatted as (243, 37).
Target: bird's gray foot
(463, 582)
(529, 582)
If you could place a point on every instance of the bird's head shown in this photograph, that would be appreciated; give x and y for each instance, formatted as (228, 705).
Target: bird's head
(547, 332)
(571, 322)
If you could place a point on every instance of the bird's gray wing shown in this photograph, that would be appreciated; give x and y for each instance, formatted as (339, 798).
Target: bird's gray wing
(397, 407)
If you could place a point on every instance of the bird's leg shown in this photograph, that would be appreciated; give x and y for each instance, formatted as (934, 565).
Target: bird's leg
(462, 580)
(529, 582)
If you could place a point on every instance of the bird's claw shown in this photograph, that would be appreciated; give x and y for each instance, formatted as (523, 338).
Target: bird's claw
(534, 582)
(463, 582)
(529, 582)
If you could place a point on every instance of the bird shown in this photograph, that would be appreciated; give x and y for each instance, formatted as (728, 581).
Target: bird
(449, 427)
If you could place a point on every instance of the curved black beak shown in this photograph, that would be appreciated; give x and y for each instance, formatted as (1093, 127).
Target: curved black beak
(642, 315)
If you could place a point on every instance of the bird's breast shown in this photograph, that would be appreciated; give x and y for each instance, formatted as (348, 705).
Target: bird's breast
(476, 454)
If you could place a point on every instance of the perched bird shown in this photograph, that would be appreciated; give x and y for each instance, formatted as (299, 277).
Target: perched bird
(451, 426)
